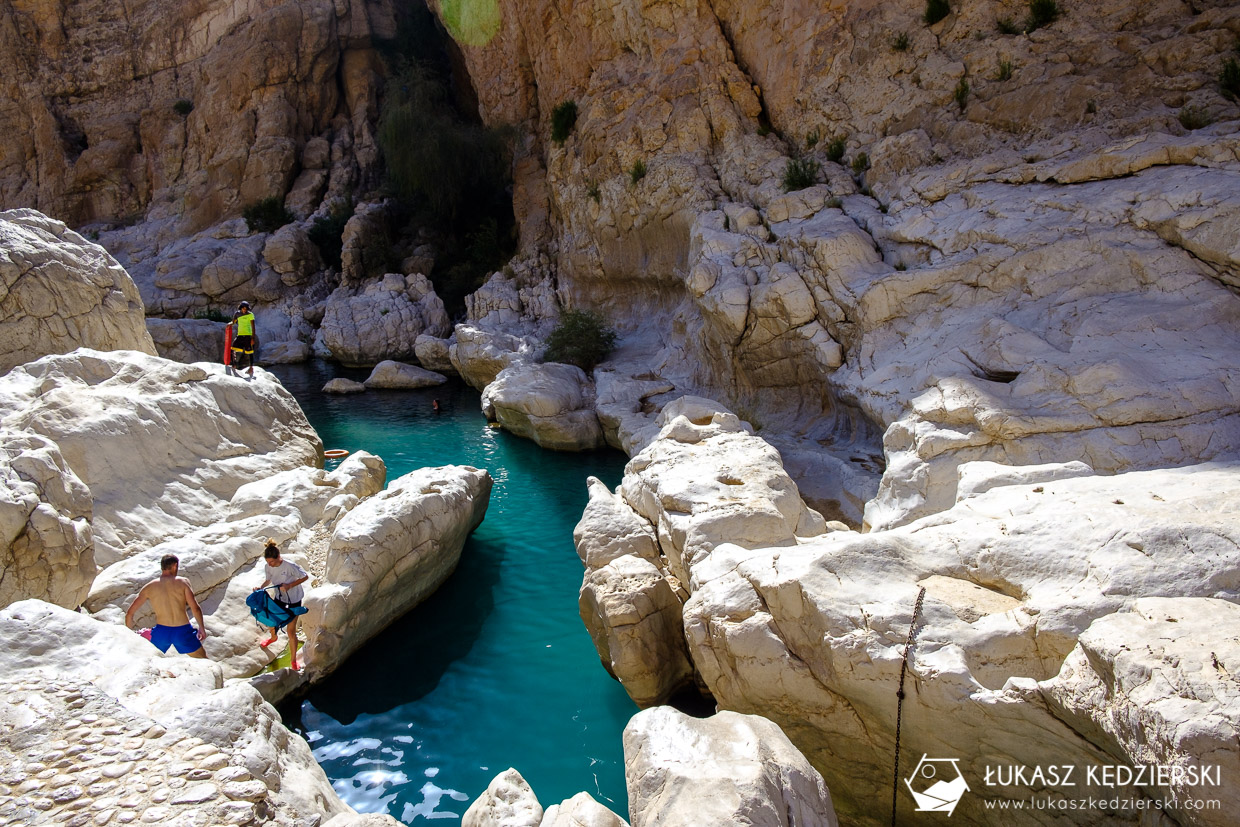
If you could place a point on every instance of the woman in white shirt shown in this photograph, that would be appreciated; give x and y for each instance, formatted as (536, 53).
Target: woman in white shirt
(288, 577)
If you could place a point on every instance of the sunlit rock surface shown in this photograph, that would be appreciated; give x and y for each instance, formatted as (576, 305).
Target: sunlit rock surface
(59, 292)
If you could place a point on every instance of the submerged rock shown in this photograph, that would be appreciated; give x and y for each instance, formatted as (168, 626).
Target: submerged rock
(342, 386)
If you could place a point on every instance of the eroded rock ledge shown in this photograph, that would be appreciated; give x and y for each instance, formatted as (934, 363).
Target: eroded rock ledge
(1044, 588)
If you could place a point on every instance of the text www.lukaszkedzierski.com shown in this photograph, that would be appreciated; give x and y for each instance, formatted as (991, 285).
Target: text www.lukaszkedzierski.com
(1102, 804)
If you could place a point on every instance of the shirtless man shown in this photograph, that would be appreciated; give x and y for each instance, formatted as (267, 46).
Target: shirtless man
(170, 596)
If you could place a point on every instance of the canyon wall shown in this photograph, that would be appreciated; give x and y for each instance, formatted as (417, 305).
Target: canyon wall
(190, 110)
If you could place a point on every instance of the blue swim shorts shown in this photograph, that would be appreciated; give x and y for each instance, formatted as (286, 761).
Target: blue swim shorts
(185, 638)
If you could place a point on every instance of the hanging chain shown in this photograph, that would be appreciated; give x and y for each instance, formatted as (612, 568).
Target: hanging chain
(908, 646)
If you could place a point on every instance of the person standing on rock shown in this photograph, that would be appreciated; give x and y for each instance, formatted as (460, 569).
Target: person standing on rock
(287, 576)
(244, 341)
(170, 596)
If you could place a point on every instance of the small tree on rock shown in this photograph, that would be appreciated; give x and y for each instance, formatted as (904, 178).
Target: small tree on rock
(582, 338)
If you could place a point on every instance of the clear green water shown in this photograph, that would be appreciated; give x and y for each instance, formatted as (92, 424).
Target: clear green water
(495, 670)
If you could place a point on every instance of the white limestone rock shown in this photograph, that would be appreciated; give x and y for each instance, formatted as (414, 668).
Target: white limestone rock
(162, 446)
(59, 292)
(814, 636)
(609, 528)
(399, 376)
(1156, 686)
(181, 707)
(387, 555)
(633, 615)
(551, 404)
(708, 480)
(725, 769)
(342, 386)
(434, 353)
(479, 355)
(382, 320)
(581, 811)
(979, 477)
(46, 542)
(507, 801)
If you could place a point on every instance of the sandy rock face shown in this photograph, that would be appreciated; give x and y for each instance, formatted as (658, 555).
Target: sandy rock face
(726, 769)
(551, 404)
(61, 292)
(383, 320)
(162, 446)
(388, 553)
(218, 119)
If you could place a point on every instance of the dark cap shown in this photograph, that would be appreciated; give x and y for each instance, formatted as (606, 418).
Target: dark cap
(244, 304)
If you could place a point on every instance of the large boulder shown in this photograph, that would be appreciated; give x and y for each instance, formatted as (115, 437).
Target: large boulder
(630, 607)
(162, 446)
(479, 355)
(507, 801)
(725, 769)
(1013, 578)
(382, 320)
(551, 404)
(704, 480)
(59, 292)
(387, 554)
(434, 353)
(399, 376)
(581, 811)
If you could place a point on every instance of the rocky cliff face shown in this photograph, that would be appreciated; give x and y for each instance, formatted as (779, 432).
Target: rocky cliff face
(191, 109)
(1020, 239)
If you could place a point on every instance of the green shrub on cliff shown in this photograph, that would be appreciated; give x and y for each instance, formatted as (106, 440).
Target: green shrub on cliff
(936, 10)
(1229, 79)
(836, 149)
(800, 173)
(267, 216)
(563, 119)
(582, 338)
(327, 232)
(1041, 13)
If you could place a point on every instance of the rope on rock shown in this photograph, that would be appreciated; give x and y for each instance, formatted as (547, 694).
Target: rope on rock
(908, 646)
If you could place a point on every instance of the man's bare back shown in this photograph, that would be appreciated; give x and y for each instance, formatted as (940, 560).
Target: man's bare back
(169, 597)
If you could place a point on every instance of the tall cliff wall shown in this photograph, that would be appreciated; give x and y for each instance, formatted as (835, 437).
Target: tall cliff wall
(962, 278)
(89, 95)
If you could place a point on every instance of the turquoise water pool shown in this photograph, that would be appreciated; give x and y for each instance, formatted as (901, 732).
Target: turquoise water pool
(495, 669)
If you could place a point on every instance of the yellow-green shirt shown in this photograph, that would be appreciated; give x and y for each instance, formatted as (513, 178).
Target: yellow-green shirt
(245, 325)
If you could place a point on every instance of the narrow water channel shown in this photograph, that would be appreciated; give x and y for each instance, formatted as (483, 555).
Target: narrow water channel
(495, 669)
